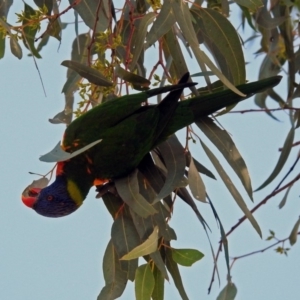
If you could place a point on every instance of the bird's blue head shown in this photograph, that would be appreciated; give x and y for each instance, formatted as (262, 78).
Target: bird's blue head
(59, 199)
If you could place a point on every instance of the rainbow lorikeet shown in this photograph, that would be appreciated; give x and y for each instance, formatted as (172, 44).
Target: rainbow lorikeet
(129, 130)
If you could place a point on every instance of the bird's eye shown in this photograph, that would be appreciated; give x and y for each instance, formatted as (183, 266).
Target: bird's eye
(49, 198)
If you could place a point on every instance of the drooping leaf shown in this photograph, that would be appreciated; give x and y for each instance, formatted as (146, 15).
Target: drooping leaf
(147, 247)
(228, 293)
(283, 201)
(128, 189)
(286, 149)
(47, 3)
(232, 189)
(222, 39)
(186, 257)
(88, 9)
(125, 238)
(54, 29)
(174, 271)
(144, 282)
(139, 38)
(252, 5)
(222, 140)
(138, 82)
(57, 154)
(159, 281)
(4, 8)
(182, 16)
(159, 263)
(124, 235)
(163, 23)
(15, 48)
(115, 278)
(175, 163)
(196, 183)
(92, 75)
(294, 233)
(29, 30)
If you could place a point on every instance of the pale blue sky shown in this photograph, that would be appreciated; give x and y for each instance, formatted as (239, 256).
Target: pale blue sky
(61, 259)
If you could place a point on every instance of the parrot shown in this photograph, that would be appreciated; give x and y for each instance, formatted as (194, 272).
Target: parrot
(129, 128)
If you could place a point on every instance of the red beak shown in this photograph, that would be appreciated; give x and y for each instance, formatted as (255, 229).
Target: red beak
(31, 198)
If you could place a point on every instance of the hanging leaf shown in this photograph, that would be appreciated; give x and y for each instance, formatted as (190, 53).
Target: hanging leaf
(15, 48)
(222, 140)
(174, 271)
(139, 38)
(294, 233)
(232, 189)
(128, 189)
(186, 257)
(87, 10)
(163, 23)
(29, 30)
(159, 281)
(195, 183)
(147, 247)
(286, 149)
(92, 75)
(228, 293)
(283, 201)
(175, 163)
(138, 82)
(115, 278)
(222, 39)
(57, 154)
(144, 282)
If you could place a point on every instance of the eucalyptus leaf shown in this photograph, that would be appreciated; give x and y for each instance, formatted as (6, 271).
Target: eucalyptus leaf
(92, 75)
(57, 154)
(186, 257)
(147, 247)
(294, 233)
(144, 282)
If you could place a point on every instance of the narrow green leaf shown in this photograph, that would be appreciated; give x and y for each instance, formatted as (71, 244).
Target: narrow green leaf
(286, 149)
(182, 16)
(173, 52)
(159, 263)
(222, 39)
(139, 82)
(139, 38)
(92, 75)
(228, 293)
(186, 257)
(163, 23)
(174, 271)
(57, 154)
(144, 282)
(222, 140)
(124, 235)
(29, 30)
(283, 201)
(232, 189)
(15, 48)
(252, 5)
(159, 280)
(128, 189)
(294, 233)
(115, 278)
(196, 183)
(87, 10)
(147, 247)
(174, 160)
(47, 3)
(54, 29)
